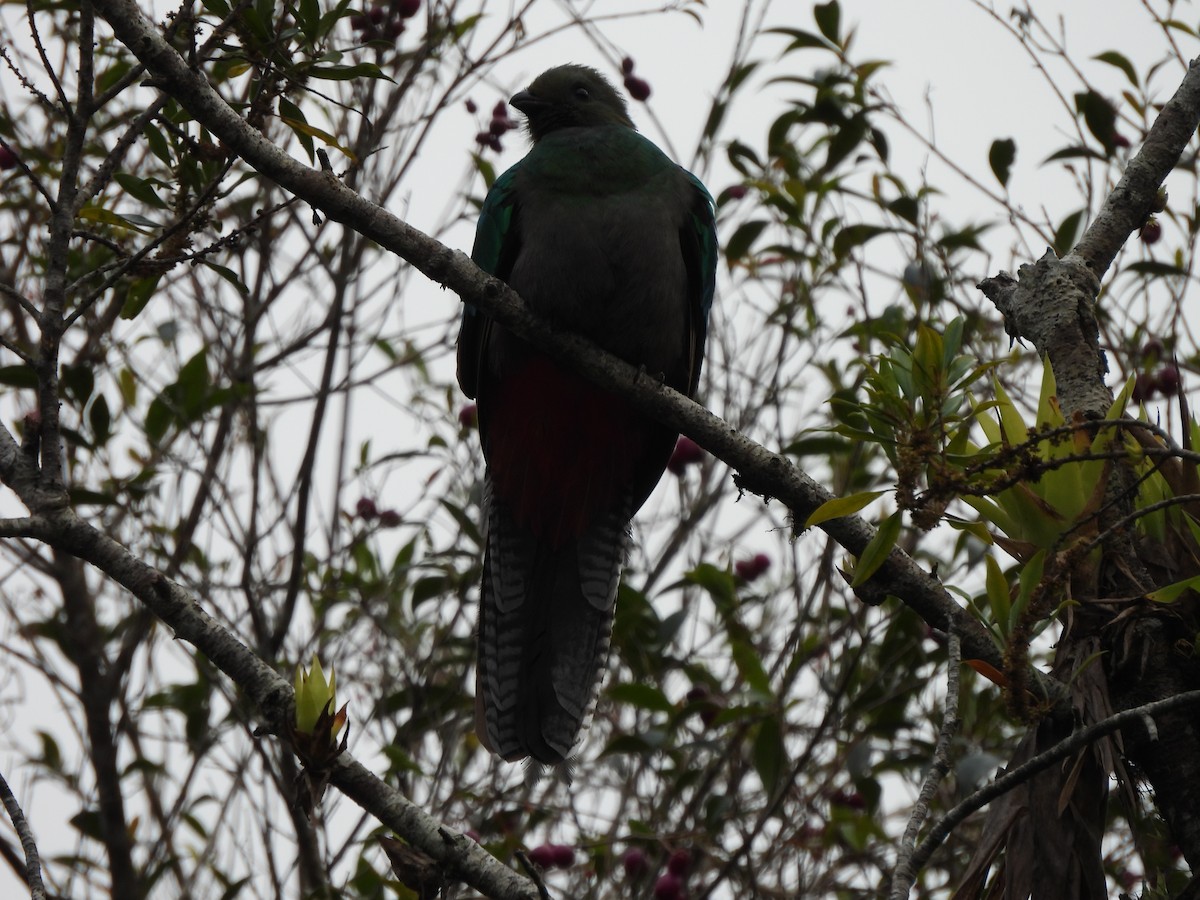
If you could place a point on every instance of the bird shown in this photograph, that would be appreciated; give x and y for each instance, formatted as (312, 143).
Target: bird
(602, 234)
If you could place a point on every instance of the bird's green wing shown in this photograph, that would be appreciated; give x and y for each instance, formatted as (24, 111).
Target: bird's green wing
(494, 251)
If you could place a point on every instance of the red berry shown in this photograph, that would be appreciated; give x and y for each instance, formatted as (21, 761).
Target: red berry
(680, 863)
(1151, 231)
(408, 8)
(543, 856)
(471, 107)
(627, 66)
(468, 416)
(389, 518)
(1168, 379)
(635, 863)
(668, 887)
(737, 192)
(685, 454)
(639, 88)
(1119, 140)
(564, 856)
(366, 508)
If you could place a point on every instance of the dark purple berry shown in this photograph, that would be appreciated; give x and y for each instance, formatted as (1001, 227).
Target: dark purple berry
(1168, 379)
(685, 454)
(680, 863)
(366, 509)
(737, 192)
(564, 856)
(627, 66)
(635, 863)
(1151, 231)
(471, 107)
(408, 8)
(376, 15)
(389, 518)
(500, 110)
(542, 856)
(393, 29)
(668, 887)
(639, 88)
(1145, 386)
(468, 416)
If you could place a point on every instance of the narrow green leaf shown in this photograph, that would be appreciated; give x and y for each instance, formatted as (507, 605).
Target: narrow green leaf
(738, 245)
(769, 753)
(878, 550)
(841, 506)
(1173, 592)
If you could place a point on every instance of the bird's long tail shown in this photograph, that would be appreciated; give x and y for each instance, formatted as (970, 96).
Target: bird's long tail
(545, 621)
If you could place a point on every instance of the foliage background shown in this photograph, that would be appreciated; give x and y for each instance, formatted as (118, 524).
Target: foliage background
(231, 395)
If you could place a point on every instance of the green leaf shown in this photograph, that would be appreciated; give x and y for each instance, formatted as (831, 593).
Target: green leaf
(1172, 592)
(739, 243)
(1099, 117)
(801, 39)
(769, 753)
(21, 376)
(643, 696)
(140, 189)
(1068, 232)
(855, 236)
(828, 16)
(841, 506)
(1074, 152)
(230, 276)
(347, 73)
(1113, 58)
(100, 420)
(138, 296)
(1000, 158)
(877, 551)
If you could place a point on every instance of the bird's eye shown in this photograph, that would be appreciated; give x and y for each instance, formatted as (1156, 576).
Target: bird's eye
(581, 93)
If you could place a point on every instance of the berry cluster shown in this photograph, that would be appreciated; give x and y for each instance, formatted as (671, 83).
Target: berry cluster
(500, 125)
(380, 22)
(552, 856)
(366, 510)
(1165, 381)
(639, 88)
(671, 884)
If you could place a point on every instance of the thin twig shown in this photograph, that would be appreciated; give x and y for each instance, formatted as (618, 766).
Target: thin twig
(33, 865)
(905, 872)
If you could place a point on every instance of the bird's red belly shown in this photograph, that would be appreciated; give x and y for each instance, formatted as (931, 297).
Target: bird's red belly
(561, 451)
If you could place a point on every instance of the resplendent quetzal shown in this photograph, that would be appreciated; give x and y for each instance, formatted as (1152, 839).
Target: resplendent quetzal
(603, 235)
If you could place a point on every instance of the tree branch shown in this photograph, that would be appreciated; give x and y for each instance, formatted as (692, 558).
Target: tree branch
(33, 864)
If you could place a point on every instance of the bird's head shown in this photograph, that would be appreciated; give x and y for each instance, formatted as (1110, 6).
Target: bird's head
(570, 97)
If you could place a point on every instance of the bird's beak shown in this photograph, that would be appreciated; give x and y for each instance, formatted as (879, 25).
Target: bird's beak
(526, 102)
